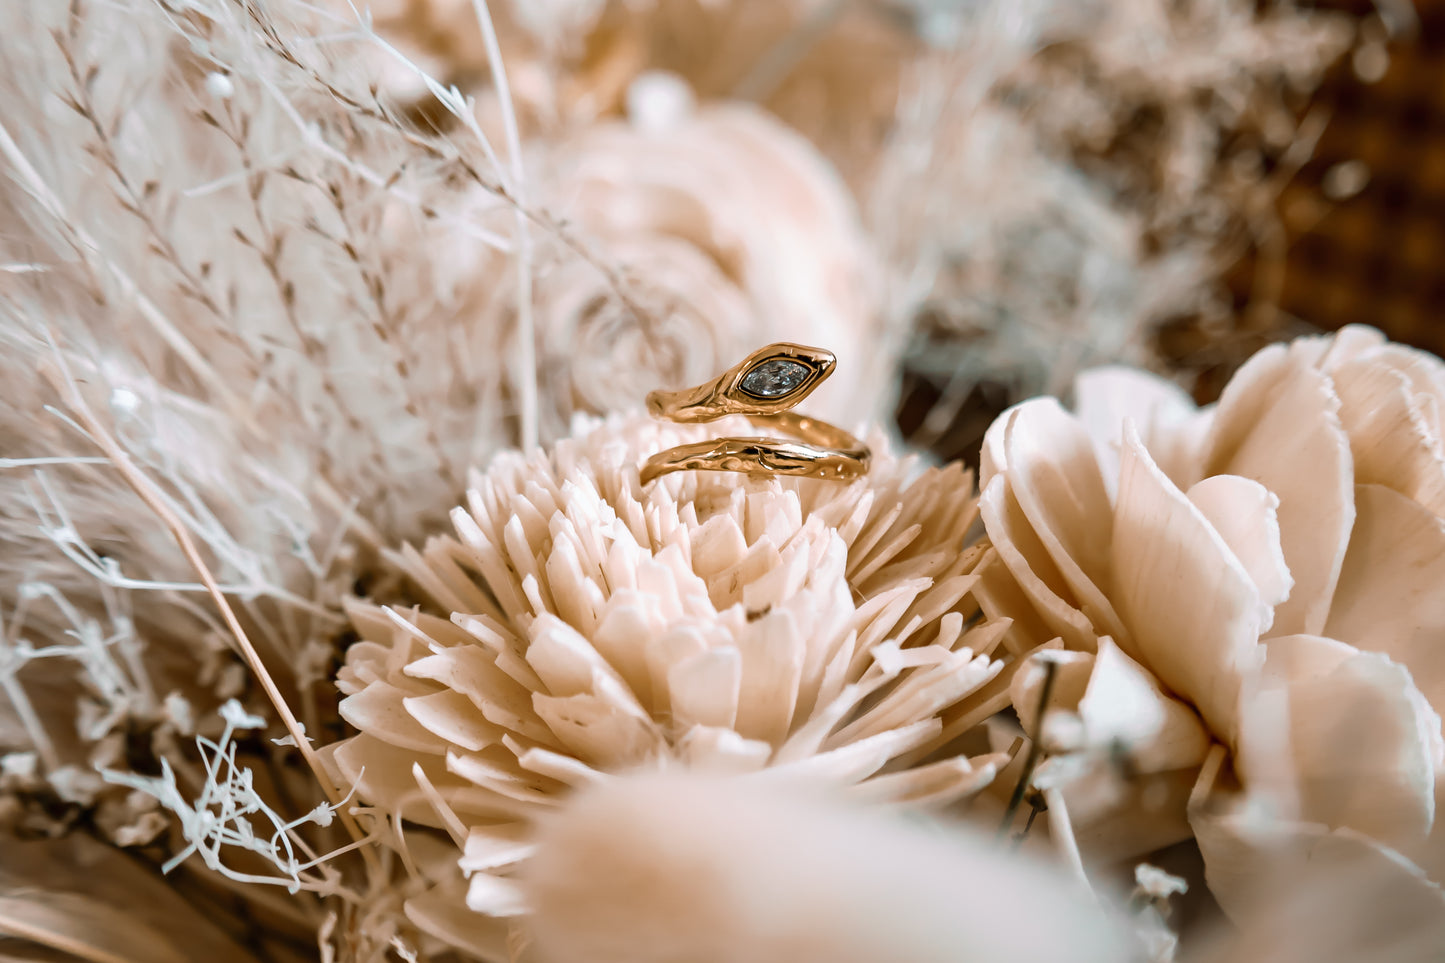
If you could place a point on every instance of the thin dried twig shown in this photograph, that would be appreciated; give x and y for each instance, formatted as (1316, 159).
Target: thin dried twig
(142, 485)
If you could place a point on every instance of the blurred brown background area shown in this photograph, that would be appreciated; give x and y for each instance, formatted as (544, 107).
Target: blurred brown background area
(1377, 257)
(1344, 253)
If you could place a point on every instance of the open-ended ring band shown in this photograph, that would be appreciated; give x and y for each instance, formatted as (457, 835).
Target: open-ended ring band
(762, 387)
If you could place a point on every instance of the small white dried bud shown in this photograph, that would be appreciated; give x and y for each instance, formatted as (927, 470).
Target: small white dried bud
(1154, 883)
(124, 401)
(238, 718)
(219, 86)
(290, 740)
(142, 831)
(658, 100)
(76, 785)
(19, 765)
(1062, 731)
(1345, 180)
(179, 713)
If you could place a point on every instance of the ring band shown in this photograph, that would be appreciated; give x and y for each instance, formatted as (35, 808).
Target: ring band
(762, 387)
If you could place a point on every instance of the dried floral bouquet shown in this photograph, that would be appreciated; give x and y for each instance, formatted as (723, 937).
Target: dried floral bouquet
(336, 622)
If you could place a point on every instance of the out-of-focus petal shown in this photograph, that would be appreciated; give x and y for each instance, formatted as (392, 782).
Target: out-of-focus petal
(1119, 817)
(1278, 423)
(1353, 901)
(1104, 397)
(1328, 352)
(441, 912)
(740, 870)
(1124, 704)
(1244, 513)
(1255, 860)
(1193, 608)
(1391, 597)
(762, 205)
(1071, 672)
(1344, 736)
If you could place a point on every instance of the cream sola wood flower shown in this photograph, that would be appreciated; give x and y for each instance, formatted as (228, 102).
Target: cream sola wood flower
(1264, 574)
(579, 624)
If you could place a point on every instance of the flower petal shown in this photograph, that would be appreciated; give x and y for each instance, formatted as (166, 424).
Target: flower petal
(1340, 732)
(1254, 860)
(1391, 436)
(1029, 563)
(1390, 596)
(1244, 513)
(1193, 608)
(1124, 705)
(1117, 819)
(1055, 477)
(1345, 345)
(441, 912)
(1278, 424)
(1104, 397)
(1070, 670)
(381, 709)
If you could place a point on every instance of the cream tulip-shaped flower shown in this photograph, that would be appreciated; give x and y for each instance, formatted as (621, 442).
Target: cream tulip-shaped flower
(1273, 562)
(586, 624)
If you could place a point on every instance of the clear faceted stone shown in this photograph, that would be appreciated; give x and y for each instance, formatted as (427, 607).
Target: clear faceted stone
(774, 378)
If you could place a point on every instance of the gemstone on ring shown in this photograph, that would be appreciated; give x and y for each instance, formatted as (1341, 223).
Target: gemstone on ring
(763, 387)
(775, 378)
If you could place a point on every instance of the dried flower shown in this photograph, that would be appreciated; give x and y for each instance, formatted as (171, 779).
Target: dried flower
(725, 230)
(1273, 562)
(712, 619)
(726, 870)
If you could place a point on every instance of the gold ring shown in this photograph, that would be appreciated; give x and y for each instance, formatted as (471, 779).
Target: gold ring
(763, 386)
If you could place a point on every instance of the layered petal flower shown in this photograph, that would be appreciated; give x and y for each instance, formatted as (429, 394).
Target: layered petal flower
(1273, 561)
(589, 625)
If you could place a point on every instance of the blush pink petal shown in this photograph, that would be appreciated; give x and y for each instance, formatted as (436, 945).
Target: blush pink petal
(1350, 342)
(1426, 374)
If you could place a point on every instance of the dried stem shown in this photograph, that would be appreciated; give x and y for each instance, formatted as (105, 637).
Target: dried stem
(21, 929)
(1031, 760)
(146, 489)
